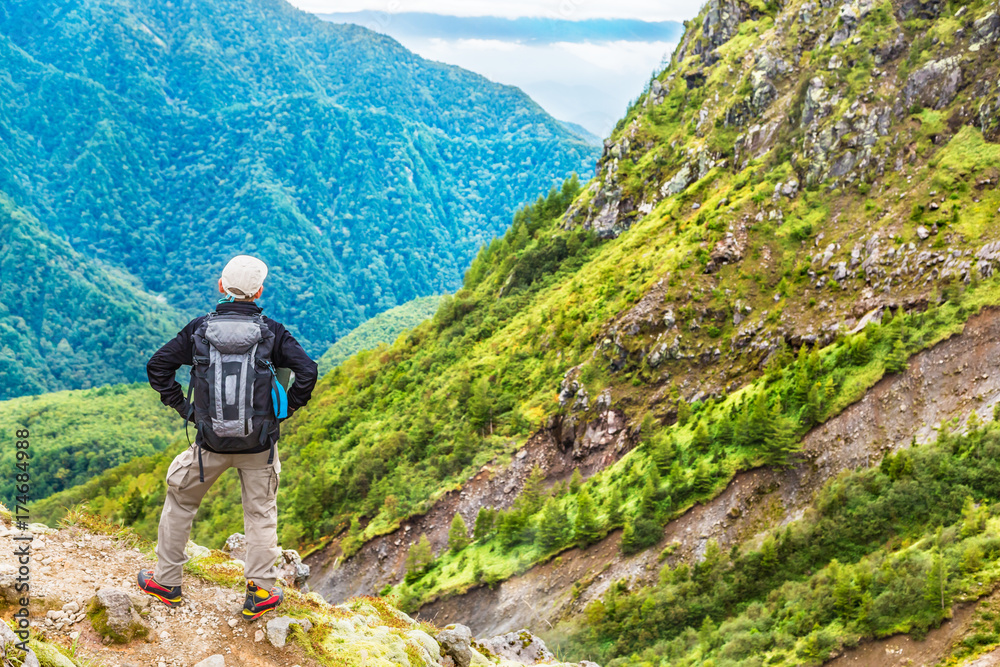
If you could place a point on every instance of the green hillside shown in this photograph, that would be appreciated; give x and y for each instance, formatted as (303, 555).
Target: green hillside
(383, 328)
(65, 320)
(77, 435)
(792, 208)
(160, 140)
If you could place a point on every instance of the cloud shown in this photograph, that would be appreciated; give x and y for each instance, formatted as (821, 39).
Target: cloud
(586, 83)
(570, 10)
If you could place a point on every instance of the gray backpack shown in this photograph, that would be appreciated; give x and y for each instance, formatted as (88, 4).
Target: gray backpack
(233, 390)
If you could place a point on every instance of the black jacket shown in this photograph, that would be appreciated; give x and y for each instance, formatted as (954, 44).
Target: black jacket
(287, 353)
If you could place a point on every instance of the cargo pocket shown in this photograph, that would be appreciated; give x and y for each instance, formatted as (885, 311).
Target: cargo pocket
(179, 467)
(273, 484)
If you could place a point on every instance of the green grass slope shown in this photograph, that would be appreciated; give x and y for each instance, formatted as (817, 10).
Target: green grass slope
(77, 435)
(381, 329)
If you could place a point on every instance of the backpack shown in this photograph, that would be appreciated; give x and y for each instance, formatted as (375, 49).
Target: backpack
(234, 393)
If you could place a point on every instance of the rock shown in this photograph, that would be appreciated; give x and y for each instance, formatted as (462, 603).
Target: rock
(678, 182)
(728, 250)
(521, 646)
(922, 233)
(277, 629)
(216, 660)
(426, 642)
(236, 546)
(114, 617)
(196, 551)
(292, 569)
(934, 85)
(456, 642)
(258, 636)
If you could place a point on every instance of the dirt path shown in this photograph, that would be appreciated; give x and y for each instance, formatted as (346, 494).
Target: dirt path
(950, 380)
(70, 565)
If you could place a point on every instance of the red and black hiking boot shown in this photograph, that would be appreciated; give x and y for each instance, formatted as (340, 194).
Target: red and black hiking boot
(260, 601)
(168, 595)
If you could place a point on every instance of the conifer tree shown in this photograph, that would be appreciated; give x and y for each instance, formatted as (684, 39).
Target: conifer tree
(936, 586)
(663, 452)
(551, 526)
(896, 362)
(575, 481)
(531, 494)
(701, 440)
(683, 411)
(615, 509)
(419, 559)
(586, 529)
(458, 534)
(484, 523)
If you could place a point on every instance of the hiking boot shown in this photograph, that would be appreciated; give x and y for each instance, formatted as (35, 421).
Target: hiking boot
(260, 601)
(168, 595)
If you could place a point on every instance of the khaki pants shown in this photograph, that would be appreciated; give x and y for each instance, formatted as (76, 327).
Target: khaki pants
(259, 484)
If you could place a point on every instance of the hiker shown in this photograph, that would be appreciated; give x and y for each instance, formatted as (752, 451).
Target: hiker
(235, 403)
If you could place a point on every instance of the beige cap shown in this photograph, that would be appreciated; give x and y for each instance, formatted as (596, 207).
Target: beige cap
(243, 276)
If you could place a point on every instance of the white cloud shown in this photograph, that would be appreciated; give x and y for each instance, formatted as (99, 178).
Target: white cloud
(584, 83)
(570, 10)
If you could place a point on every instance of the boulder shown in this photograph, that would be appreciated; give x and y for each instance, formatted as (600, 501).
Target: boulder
(236, 546)
(292, 569)
(521, 647)
(113, 615)
(196, 551)
(456, 642)
(8, 637)
(277, 629)
(934, 85)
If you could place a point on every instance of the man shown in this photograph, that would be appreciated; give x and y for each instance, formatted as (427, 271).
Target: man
(236, 409)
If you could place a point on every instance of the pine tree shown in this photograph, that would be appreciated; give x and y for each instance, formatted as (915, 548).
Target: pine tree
(531, 494)
(723, 429)
(575, 481)
(663, 451)
(484, 523)
(551, 526)
(701, 440)
(683, 411)
(703, 477)
(896, 362)
(586, 529)
(936, 586)
(615, 509)
(458, 535)
(419, 559)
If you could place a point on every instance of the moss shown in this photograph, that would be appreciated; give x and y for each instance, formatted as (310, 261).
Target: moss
(98, 616)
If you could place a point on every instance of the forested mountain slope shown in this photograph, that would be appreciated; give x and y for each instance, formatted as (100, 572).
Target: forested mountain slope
(801, 201)
(163, 138)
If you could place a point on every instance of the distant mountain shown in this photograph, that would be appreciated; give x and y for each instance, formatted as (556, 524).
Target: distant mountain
(159, 139)
(582, 132)
(525, 29)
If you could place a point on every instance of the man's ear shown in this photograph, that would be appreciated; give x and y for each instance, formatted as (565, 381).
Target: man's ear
(257, 295)
(221, 290)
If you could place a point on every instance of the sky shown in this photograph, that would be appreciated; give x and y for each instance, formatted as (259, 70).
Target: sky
(583, 61)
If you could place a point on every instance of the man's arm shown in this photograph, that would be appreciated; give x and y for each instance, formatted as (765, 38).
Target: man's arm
(289, 354)
(164, 364)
